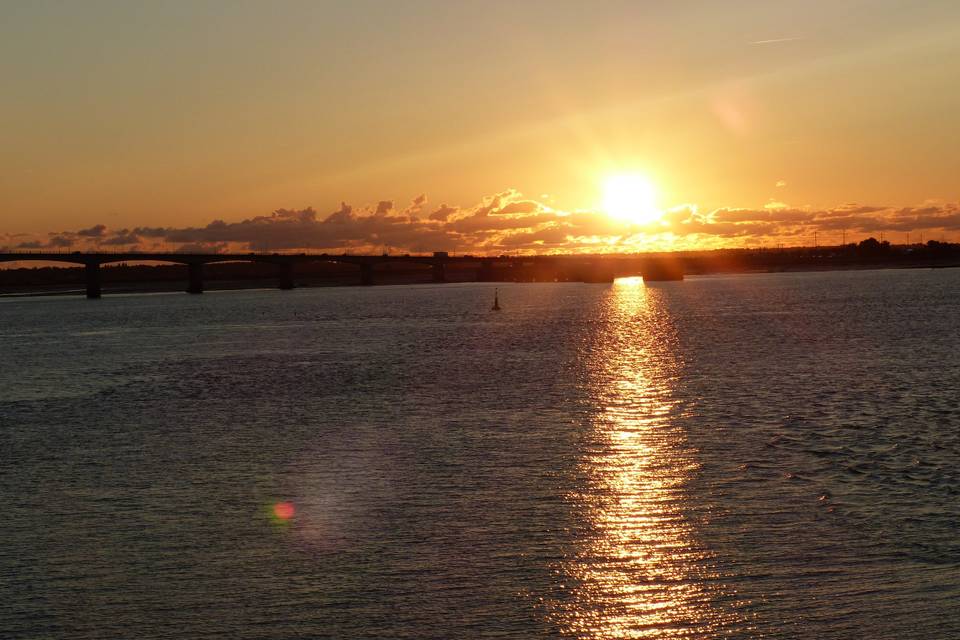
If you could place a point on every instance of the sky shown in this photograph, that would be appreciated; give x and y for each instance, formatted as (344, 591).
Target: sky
(483, 127)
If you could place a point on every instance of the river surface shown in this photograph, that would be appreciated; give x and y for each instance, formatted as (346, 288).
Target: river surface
(757, 456)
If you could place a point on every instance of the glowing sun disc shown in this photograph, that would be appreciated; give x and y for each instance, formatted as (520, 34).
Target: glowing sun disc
(631, 198)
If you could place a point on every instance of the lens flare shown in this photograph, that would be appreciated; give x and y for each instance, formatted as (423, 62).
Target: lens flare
(284, 511)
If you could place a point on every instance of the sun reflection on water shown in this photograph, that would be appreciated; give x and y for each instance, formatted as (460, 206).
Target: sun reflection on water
(639, 571)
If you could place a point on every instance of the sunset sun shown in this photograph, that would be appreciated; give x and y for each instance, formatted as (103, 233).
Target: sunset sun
(630, 197)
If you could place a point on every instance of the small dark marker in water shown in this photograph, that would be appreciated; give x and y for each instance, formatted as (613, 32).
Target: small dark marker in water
(496, 301)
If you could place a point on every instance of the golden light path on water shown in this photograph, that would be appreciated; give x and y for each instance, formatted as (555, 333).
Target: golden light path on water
(641, 572)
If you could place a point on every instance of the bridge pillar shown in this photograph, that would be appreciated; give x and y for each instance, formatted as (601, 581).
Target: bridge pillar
(286, 275)
(93, 279)
(439, 272)
(485, 272)
(595, 272)
(366, 274)
(195, 283)
(663, 269)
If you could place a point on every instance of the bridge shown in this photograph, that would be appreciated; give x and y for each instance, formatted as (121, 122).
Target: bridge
(584, 268)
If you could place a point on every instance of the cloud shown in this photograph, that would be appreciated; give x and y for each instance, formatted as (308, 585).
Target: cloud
(554, 235)
(95, 231)
(342, 215)
(520, 206)
(123, 237)
(384, 207)
(773, 214)
(203, 247)
(150, 232)
(510, 221)
(303, 215)
(443, 213)
(416, 206)
(777, 40)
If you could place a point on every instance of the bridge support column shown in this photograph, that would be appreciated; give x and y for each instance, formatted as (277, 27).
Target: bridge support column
(485, 272)
(195, 283)
(366, 274)
(286, 276)
(439, 272)
(93, 279)
(595, 272)
(662, 270)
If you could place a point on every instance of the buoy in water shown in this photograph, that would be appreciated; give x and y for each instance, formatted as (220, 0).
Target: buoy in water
(496, 301)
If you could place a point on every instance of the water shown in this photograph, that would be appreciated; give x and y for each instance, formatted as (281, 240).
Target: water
(772, 456)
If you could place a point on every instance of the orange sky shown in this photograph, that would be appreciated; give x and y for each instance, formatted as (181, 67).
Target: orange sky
(483, 127)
